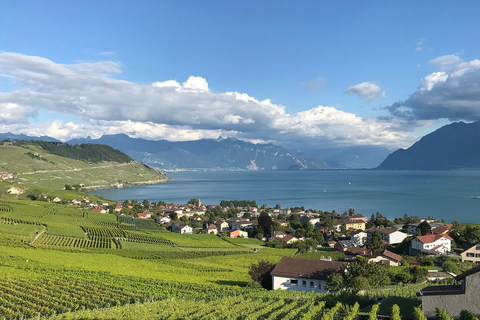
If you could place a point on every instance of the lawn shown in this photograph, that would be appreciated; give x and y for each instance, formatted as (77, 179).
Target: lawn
(26, 230)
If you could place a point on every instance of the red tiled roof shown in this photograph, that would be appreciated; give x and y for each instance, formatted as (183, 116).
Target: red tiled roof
(429, 238)
(305, 268)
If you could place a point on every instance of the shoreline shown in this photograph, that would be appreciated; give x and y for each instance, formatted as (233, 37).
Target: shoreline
(133, 184)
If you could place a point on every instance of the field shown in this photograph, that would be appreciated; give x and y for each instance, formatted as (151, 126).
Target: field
(63, 263)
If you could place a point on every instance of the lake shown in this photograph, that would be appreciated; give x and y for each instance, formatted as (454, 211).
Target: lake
(441, 194)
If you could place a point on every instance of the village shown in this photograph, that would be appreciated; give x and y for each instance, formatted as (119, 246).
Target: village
(405, 250)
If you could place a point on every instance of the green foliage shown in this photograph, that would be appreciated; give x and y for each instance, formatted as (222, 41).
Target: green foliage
(424, 228)
(373, 313)
(238, 203)
(395, 313)
(467, 315)
(376, 245)
(260, 272)
(412, 275)
(418, 314)
(83, 152)
(330, 315)
(353, 313)
(451, 266)
(355, 273)
(442, 314)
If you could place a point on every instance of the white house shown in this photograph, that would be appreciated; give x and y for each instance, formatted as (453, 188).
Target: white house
(303, 274)
(359, 237)
(392, 235)
(439, 243)
(181, 227)
(242, 224)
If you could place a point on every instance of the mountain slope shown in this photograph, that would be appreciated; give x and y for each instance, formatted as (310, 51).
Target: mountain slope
(229, 154)
(53, 164)
(454, 146)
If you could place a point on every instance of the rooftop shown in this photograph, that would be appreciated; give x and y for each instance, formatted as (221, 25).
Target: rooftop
(305, 268)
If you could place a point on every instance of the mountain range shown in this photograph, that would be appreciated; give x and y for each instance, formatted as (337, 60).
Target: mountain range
(452, 147)
(207, 154)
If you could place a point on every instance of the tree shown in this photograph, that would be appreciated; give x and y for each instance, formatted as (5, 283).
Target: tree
(261, 273)
(173, 216)
(424, 227)
(265, 222)
(294, 221)
(193, 201)
(467, 315)
(146, 203)
(335, 282)
(376, 274)
(376, 245)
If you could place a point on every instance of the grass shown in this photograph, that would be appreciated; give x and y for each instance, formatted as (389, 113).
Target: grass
(147, 247)
(323, 253)
(197, 240)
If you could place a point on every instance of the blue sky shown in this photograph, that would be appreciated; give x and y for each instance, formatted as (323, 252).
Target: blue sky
(299, 55)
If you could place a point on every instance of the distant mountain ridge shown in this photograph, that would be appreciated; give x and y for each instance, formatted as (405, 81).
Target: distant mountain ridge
(452, 147)
(223, 154)
(13, 136)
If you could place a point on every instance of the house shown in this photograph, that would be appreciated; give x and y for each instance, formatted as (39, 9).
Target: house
(303, 274)
(386, 257)
(144, 215)
(354, 224)
(392, 235)
(118, 207)
(76, 202)
(454, 298)
(181, 227)
(343, 245)
(212, 229)
(442, 229)
(242, 224)
(15, 190)
(221, 225)
(278, 235)
(352, 252)
(57, 199)
(237, 233)
(99, 210)
(163, 220)
(431, 243)
(359, 237)
(288, 239)
(472, 254)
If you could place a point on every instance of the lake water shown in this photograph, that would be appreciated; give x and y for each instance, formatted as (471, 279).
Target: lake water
(441, 194)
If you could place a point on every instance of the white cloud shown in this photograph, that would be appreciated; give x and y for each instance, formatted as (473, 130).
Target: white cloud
(15, 113)
(366, 90)
(451, 93)
(167, 109)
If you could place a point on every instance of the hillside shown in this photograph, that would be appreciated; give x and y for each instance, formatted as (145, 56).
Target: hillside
(453, 147)
(53, 164)
(223, 154)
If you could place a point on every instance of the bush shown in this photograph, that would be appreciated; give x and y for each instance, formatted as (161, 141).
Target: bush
(467, 315)
(261, 273)
(442, 314)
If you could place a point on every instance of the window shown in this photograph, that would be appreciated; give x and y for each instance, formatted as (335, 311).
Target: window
(477, 248)
(312, 284)
(470, 254)
(304, 283)
(294, 282)
(477, 255)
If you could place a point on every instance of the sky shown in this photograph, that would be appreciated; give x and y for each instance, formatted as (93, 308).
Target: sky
(303, 74)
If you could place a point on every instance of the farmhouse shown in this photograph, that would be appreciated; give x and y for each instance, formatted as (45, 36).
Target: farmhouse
(431, 243)
(181, 227)
(303, 274)
(454, 298)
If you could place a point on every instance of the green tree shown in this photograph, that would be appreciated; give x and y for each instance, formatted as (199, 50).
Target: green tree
(467, 315)
(193, 201)
(424, 227)
(260, 272)
(335, 282)
(376, 245)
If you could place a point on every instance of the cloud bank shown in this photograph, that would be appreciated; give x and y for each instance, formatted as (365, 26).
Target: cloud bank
(93, 92)
(451, 92)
